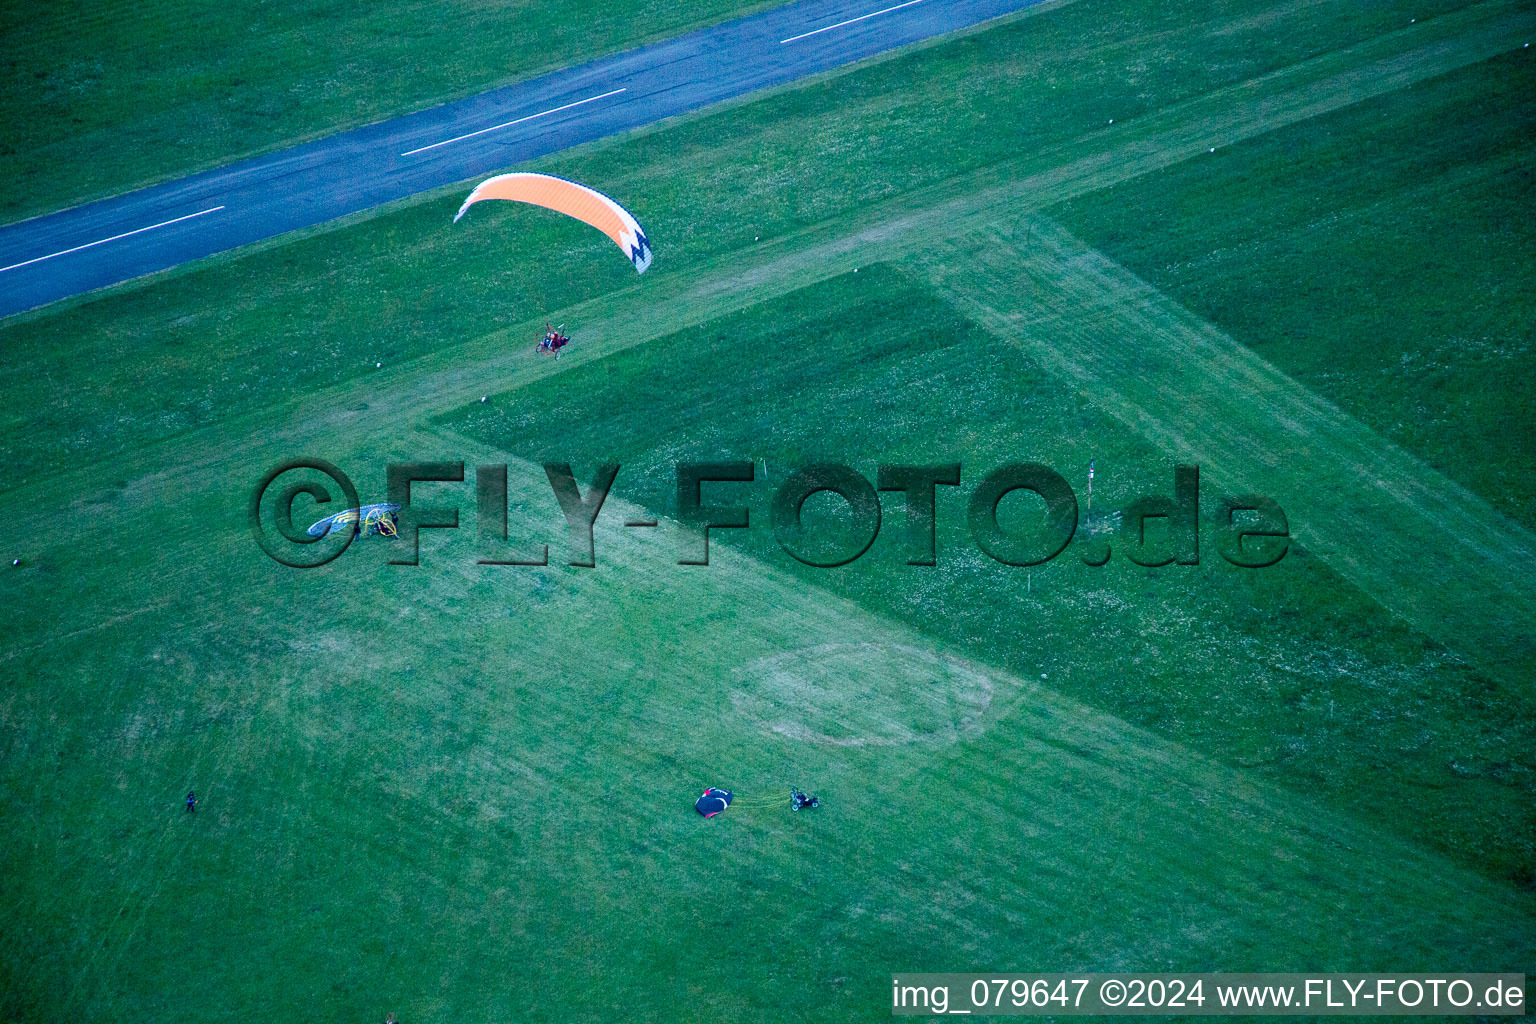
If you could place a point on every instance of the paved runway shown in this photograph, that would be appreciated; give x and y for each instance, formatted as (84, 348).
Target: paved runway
(102, 243)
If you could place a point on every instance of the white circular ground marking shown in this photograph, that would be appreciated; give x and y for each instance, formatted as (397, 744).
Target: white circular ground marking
(857, 695)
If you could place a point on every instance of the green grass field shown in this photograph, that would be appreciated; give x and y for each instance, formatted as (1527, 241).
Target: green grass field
(463, 792)
(99, 96)
(1390, 278)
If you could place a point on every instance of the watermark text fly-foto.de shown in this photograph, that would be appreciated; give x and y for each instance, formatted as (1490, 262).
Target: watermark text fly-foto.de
(1248, 530)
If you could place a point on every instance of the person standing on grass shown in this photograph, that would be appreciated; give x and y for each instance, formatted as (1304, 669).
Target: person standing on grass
(191, 802)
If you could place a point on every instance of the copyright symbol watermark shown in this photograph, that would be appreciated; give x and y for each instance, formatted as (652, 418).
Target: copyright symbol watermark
(1112, 992)
(282, 512)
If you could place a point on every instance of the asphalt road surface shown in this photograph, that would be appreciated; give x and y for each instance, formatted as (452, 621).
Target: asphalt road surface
(101, 243)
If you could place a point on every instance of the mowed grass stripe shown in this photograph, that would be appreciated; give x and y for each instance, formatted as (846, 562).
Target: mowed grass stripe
(443, 380)
(982, 849)
(451, 376)
(1142, 788)
(1293, 671)
(454, 376)
(374, 289)
(1424, 546)
(452, 881)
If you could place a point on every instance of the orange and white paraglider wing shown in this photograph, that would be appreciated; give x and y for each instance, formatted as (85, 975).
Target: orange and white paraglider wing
(573, 200)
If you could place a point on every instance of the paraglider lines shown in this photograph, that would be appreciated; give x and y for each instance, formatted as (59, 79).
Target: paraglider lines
(104, 241)
(850, 21)
(520, 120)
